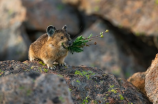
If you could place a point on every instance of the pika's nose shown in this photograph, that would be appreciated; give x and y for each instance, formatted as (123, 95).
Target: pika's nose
(69, 43)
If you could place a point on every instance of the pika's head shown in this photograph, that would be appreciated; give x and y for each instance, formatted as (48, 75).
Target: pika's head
(58, 38)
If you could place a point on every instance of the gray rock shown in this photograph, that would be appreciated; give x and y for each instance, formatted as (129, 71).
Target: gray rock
(34, 88)
(41, 13)
(14, 43)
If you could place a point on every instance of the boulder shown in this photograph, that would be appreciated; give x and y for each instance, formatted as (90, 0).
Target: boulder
(31, 88)
(147, 82)
(151, 82)
(87, 85)
(140, 16)
(106, 54)
(11, 14)
(41, 14)
(14, 42)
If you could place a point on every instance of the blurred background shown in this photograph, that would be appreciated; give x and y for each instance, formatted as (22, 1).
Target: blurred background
(129, 46)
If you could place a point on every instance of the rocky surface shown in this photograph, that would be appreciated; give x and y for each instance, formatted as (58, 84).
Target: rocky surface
(87, 85)
(31, 88)
(14, 42)
(151, 83)
(138, 16)
(40, 14)
(106, 54)
(147, 81)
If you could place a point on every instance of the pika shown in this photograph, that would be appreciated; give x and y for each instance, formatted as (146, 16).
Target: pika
(51, 47)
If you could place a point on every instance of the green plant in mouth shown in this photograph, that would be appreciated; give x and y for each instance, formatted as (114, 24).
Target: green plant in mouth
(81, 41)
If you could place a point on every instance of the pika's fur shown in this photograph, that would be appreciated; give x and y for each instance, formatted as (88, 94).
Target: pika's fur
(51, 47)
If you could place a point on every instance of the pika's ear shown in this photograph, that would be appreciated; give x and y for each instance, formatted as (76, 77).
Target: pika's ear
(64, 27)
(50, 30)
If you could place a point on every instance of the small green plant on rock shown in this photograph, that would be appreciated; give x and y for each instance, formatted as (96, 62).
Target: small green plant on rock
(85, 101)
(45, 70)
(42, 63)
(1, 72)
(121, 97)
(87, 74)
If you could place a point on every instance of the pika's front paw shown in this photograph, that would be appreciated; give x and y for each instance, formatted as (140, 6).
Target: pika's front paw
(51, 67)
(62, 64)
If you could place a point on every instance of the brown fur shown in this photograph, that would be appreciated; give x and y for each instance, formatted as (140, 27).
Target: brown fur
(50, 49)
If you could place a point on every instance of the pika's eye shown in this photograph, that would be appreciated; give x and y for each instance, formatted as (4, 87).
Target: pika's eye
(62, 37)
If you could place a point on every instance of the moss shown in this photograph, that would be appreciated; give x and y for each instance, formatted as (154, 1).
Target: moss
(70, 89)
(85, 101)
(78, 81)
(111, 86)
(21, 87)
(40, 69)
(61, 99)
(28, 92)
(45, 70)
(60, 75)
(121, 97)
(42, 63)
(32, 67)
(60, 7)
(114, 91)
(87, 74)
(1, 72)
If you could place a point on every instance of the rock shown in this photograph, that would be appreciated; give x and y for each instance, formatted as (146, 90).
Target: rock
(107, 54)
(41, 14)
(138, 16)
(14, 43)
(11, 14)
(138, 80)
(151, 83)
(87, 84)
(146, 82)
(34, 88)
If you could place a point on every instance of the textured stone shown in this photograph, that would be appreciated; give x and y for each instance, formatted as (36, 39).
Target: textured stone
(87, 85)
(140, 16)
(12, 12)
(41, 14)
(14, 43)
(151, 82)
(31, 88)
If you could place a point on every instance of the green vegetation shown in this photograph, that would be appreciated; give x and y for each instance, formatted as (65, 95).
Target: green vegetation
(112, 89)
(40, 69)
(60, 75)
(45, 70)
(87, 74)
(42, 63)
(81, 41)
(121, 97)
(70, 89)
(78, 81)
(28, 92)
(21, 88)
(85, 101)
(1, 72)
(60, 7)
(61, 99)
